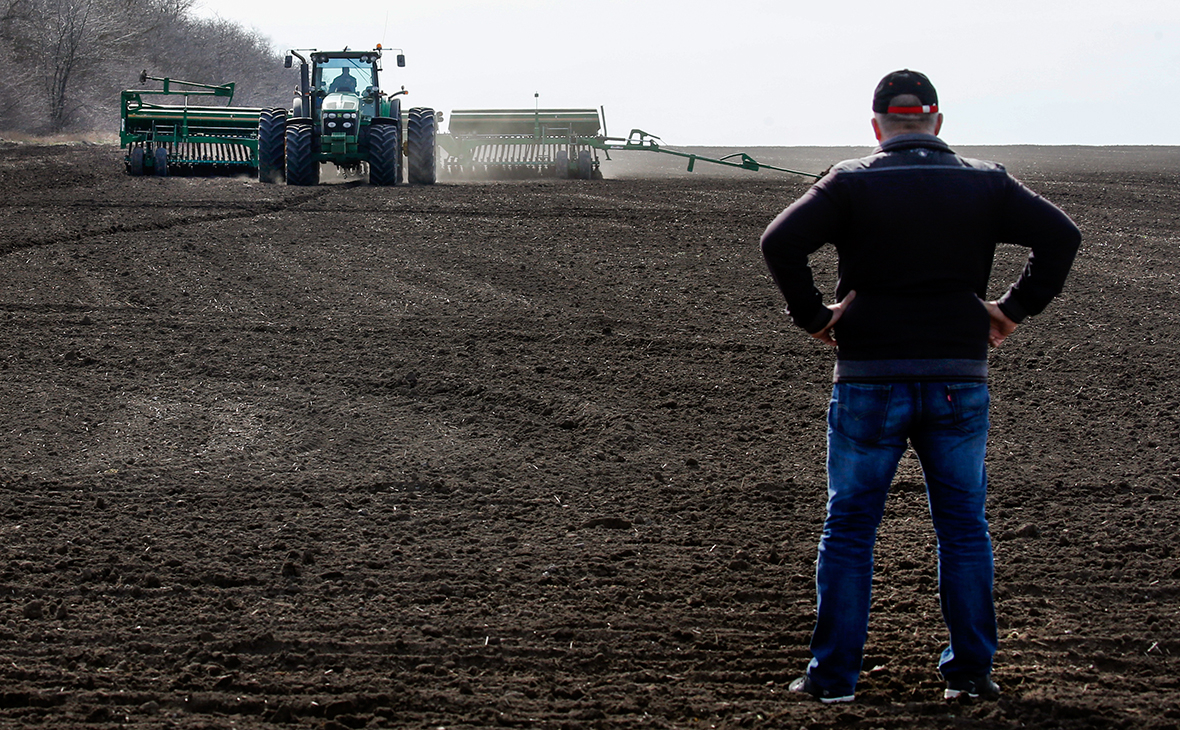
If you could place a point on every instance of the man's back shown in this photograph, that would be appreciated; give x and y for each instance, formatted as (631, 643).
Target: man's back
(916, 227)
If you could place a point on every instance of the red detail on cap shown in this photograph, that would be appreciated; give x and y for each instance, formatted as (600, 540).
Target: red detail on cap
(926, 109)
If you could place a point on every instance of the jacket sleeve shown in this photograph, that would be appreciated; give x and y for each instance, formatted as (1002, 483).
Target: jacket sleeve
(1052, 239)
(788, 241)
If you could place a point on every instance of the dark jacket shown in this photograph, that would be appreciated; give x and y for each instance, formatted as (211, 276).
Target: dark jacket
(915, 227)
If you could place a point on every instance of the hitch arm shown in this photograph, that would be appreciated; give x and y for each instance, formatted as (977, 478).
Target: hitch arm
(640, 140)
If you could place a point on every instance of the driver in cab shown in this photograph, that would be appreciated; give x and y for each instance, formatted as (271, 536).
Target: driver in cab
(344, 83)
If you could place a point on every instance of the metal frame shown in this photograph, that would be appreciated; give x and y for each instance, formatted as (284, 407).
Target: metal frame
(641, 141)
(521, 142)
(217, 138)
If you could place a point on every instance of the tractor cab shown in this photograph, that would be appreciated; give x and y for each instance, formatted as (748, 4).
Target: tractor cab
(345, 82)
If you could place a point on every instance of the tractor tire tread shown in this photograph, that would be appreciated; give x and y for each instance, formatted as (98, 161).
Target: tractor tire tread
(385, 154)
(272, 143)
(302, 167)
(421, 132)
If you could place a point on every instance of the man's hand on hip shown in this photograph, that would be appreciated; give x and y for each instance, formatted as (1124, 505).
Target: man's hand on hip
(1001, 326)
(825, 335)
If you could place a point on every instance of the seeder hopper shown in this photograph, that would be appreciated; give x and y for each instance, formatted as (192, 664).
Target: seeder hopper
(521, 143)
(160, 139)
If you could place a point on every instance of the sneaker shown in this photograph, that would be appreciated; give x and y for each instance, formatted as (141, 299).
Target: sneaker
(972, 688)
(804, 685)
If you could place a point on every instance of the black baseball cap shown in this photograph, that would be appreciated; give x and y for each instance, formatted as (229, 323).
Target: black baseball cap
(901, 82)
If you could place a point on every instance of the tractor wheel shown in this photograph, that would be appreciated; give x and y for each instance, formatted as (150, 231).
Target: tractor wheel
(421, 128)
(161, 155)
(585, 168)
(563, 164)
(385, 154)
(272, 140)
(135, 165)
(302, 166)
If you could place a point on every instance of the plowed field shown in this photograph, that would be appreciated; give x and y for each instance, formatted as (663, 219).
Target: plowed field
(538, 454)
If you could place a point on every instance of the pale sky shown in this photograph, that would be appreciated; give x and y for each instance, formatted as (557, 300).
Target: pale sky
(769, 72)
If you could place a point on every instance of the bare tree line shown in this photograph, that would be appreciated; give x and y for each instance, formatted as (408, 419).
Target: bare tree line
(65, 61)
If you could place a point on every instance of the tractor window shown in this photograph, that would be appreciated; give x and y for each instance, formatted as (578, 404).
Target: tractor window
(336, 75)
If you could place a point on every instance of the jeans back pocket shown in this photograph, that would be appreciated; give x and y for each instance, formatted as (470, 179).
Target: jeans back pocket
(859, 410)
(969, 405)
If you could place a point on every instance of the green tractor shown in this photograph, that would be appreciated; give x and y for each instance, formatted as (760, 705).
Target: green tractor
(341, 115)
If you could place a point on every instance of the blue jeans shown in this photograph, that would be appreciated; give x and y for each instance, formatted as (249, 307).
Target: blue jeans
(868, 428)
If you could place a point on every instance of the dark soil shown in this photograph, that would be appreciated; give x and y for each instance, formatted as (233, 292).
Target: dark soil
(537, 454)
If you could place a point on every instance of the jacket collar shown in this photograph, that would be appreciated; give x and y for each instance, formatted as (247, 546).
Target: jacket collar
(911, 141)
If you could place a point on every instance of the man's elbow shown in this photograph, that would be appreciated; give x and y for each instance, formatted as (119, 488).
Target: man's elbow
(765, 241)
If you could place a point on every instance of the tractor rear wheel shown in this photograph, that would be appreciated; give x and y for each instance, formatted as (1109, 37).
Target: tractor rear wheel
(161, 155)
(135, 165)
(563, 164)
(302, 166)
(272, 133)
(385, 154)
(421, 129)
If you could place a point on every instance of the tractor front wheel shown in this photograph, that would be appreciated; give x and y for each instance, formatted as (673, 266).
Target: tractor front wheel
(272, 133)
(302, 166)
(421, 129)
(385, 154)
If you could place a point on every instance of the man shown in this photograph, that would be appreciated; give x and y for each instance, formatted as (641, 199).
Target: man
(915, 228)
(344, 83)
